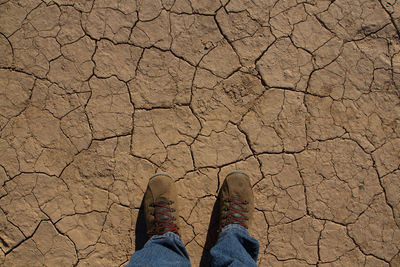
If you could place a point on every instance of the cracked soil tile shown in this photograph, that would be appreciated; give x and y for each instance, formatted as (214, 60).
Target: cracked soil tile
(284, 65)
(161, 80)
(45, 247)
(340, 180)
(109, 108)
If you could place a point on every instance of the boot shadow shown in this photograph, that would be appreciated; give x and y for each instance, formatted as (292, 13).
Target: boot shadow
(212, 235)
(140, 229)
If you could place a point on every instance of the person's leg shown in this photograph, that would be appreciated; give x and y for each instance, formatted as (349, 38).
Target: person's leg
(161, 250)
(165, 247)
(235, 246)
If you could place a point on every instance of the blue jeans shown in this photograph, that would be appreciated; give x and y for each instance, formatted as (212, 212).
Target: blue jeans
(235, 247)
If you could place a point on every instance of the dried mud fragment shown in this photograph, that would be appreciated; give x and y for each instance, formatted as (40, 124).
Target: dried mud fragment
(391, 184)
(6, 52)
(193, 35)
(15, 91)
(217, 102)
(220, 148)
(53, 197)
(83, 229)
(280, 194)
(110, 20)
(162, 128)
(155, 32)
(334, 242)
(46, 247)
(70, 26)
(38, 141)
(20, 206)
(221, 60)
(75, 66)
(162, 80)
(375, 231)
(33, 52)
(149, 9)
(120, 60)
(75, 126)
(351, 20)
(387, 157)
(284, 65)
(340, 180)
(109, 108)
(13, 14)
(178, 161)
(320, 118)
(56, 100)
(297, 239)
(118, 231)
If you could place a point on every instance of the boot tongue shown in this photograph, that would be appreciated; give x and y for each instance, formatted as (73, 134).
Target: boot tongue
(237, 215)
(161, 199)
(162, 209)
(236, 207)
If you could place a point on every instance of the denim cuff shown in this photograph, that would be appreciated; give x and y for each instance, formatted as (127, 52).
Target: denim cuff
(233, 227)
(237, 231)
(168, 235)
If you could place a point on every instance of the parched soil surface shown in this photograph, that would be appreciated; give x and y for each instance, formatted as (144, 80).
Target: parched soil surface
(96, 96)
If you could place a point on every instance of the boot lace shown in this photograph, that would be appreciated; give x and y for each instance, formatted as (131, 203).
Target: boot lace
(235, 212)
(163, 219)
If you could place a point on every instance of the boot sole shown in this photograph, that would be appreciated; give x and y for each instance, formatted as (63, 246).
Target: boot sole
(237, 171)
(160, 174)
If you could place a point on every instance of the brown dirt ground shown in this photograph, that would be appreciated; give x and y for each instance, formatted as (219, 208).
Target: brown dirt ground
(96, 96)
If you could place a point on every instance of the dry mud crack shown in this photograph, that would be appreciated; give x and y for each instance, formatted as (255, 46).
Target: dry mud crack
(96, 96)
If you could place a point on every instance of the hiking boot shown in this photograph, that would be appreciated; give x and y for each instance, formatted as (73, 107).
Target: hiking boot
(236, 200)
(160, 205)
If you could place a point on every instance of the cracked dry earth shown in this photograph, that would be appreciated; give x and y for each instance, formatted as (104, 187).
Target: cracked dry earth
(96, 96)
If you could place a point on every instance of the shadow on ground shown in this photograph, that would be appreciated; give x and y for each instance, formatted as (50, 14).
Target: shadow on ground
(140, 229)
(212, 235)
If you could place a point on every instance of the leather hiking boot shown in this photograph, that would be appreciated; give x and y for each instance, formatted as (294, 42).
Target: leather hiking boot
(160, 205)
(236, 200)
